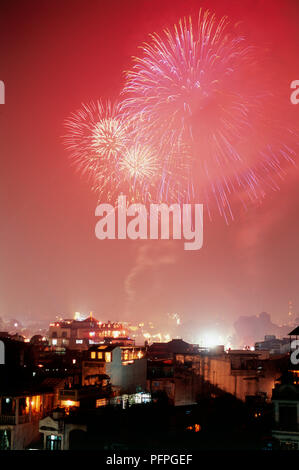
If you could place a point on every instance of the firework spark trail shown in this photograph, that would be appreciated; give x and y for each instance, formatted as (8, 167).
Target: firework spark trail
(199, 86)
(140, 167)
(103, 144)
(97, 135)
(139, 162)
(195, 124)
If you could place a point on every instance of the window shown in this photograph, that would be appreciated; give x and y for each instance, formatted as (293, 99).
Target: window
(93, 355)
(101, 402)
(79, 341)
(287, 415)
(289, 445)
(54, 342)
(100, 355)
(53, 442)
(108, 356)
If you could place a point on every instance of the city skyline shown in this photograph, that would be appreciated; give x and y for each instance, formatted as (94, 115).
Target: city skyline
(149, 301)
(51, 260)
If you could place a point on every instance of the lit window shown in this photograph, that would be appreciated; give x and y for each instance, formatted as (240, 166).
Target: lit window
(108, 356)
(100, 355)
(54, 342)
(93, 355)
(79, 341)
(101, 402)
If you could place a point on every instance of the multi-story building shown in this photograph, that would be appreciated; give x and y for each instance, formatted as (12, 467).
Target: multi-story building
(20, 413)
(80, 335)
(125, 365)
(285, 398)
(273, 345)
(242, 373)
(174, 369)
(56, 430)
(184, 372)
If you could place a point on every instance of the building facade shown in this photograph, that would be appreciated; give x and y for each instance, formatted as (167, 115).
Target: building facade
(80, 335)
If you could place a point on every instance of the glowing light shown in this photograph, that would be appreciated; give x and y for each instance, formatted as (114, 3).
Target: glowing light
(69, 403)
(77, 316)
(108, 356)
(210, 339)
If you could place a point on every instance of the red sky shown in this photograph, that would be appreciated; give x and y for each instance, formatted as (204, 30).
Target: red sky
(56, 54)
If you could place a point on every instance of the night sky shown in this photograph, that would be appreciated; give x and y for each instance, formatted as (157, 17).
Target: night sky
(56, 54)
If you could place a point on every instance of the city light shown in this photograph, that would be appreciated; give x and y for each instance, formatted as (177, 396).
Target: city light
(210, 339)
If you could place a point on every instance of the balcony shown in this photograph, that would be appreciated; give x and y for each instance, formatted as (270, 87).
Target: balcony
(11, 419)
(68, 394)
(285, 428)
(75, 395)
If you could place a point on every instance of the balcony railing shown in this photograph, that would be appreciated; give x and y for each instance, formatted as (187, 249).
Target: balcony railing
(286, 428)
(11, 419)
(7, 419)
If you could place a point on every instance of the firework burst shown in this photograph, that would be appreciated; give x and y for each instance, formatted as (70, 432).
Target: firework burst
(140, 167)
(109, 137)
(197, 87)
(139, 162)
(188, 73)
(196, 124)
(97, 135)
